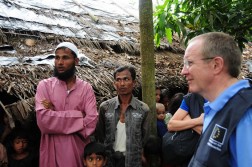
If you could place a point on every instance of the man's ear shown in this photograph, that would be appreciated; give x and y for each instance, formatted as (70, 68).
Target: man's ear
(76, 61)
(134, 83)
(218, 64)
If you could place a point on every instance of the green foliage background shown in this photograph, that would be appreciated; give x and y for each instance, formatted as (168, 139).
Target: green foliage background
(189, 18)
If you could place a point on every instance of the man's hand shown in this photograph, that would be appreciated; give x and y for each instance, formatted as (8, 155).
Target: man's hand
(47, 104)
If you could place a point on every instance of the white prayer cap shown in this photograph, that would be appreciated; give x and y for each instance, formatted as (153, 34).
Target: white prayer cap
(68, 45)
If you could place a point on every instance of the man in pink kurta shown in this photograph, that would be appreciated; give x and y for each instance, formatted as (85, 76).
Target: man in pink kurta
(66, 112)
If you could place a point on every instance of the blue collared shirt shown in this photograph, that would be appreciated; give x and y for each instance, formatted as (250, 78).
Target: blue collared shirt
(240, 141)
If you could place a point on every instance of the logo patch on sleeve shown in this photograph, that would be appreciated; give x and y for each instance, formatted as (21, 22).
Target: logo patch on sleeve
(217, 137)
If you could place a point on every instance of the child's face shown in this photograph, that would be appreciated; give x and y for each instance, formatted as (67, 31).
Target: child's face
(20, 145)
(165, 101)
(161, 114)
(94, 160)
(158, 93)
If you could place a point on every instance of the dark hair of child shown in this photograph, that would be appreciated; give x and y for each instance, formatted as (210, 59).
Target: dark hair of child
(175, 102)
(95, 147)
(152, 151)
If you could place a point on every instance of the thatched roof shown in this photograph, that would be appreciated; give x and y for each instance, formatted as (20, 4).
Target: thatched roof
(93, 23)
(20, 80)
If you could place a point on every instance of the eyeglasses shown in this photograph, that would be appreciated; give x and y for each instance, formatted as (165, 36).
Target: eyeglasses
(189, 63)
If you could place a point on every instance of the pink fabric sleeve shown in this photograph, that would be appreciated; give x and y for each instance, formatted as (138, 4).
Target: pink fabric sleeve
(91, 114)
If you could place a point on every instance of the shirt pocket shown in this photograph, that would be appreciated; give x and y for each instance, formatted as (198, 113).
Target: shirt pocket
(136, 127)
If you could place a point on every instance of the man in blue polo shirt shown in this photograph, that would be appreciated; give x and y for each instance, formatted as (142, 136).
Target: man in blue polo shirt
(212, 63)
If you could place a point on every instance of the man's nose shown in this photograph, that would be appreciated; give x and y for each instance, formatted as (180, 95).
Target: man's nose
(122, 82)
(22, 144)
(184, 70)
(60, 61)
(94, 161)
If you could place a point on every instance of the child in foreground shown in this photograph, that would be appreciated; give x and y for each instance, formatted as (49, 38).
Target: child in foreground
(21, 154)
(94, 155)
(161, 125)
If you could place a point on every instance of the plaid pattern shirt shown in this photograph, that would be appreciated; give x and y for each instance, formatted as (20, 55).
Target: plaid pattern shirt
(136, 123)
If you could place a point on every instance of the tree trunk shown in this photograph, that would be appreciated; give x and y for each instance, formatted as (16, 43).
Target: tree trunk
(147, 58)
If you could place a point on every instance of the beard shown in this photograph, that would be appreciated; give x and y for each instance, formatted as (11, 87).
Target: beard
(64, 75)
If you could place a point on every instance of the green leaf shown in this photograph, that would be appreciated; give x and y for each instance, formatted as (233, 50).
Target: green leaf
(157, 39)
(196, 19)
(211, 21)
(182, 28)
(162, 20)
(168, 33)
